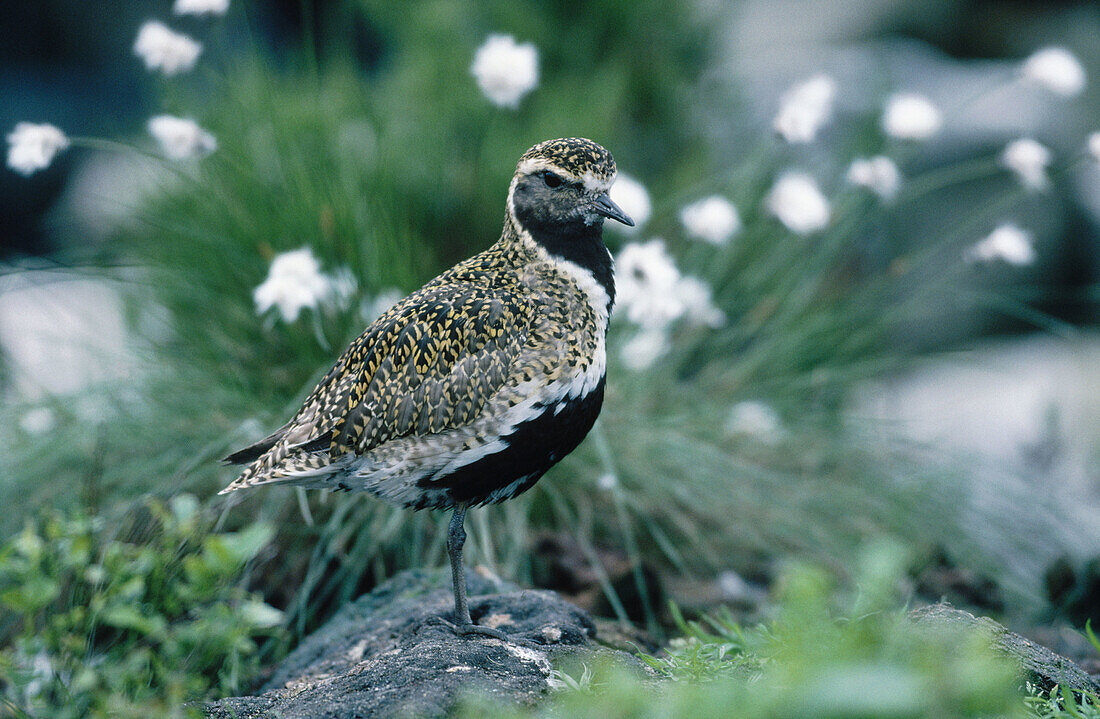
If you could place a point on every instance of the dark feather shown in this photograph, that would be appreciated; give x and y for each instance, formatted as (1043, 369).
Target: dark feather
(256, 450)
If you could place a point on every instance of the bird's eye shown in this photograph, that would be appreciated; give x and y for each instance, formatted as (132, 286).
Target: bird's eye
(551, 179)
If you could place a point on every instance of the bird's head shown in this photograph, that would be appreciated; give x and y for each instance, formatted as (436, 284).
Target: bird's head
(560, 189)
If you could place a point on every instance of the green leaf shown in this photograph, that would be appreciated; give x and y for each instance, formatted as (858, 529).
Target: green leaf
(28, 543)
(260, 614)
(248, 542)
(124, 616)
(1091, 635)
(32, 595)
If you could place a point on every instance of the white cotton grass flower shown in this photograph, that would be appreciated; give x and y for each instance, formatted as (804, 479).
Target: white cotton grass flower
(607, 482)
(1008, 243)
(646, 282)
(181, 138)
(713, 219)
(32, 147)
(1056, 69)
(879, 174)
(294, 283)
(201, 7)
(1093, 145)
(643, 350)
(909, 116)
(506, 71)
(797, 202)
(37, 421)
(633, 198)
(162, 49)
(652, 294)
(755, 420)
(1029, 161)
(698, 301)
(804, 109)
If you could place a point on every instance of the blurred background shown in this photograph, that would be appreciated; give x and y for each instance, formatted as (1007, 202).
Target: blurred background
(850, 348)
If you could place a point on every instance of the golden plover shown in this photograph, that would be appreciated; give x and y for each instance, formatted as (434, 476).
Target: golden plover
(465, 392)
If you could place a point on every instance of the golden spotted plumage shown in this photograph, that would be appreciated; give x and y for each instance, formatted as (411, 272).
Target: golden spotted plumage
(469, 389)
(443, 372)
(575, 156)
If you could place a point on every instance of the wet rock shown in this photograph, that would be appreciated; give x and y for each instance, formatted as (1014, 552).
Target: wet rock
(1043, 667)
(385, 654)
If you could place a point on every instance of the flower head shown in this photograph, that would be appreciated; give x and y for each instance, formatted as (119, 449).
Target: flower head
(878, 174)
(798, 203)
(607, 482)
(37, 421)
(804, 109)
(699, 307)
(165, 50)
(32, 147)
(181, 138)
(505, 71)
(1094, 145)
(1029, 160)
(756, 420)
(295, 282)
(654, 295)
(200, 7)
(909, 116)
(644, 348)
(713, 219)
(632, 196)
(1057, 69)
(646, 284)
(1007, 243)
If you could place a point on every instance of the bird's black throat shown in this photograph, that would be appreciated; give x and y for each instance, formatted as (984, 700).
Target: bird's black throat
(575, 242)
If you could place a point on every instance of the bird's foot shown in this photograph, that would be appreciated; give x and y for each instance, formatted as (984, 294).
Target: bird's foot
(466, 630)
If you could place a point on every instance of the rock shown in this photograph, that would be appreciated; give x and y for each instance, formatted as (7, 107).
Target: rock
(1043, 667)
(385, 654)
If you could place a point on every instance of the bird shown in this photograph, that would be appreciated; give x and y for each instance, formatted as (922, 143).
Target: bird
(468, 390)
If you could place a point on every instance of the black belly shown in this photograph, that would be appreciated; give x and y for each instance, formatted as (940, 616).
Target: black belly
(534, 447)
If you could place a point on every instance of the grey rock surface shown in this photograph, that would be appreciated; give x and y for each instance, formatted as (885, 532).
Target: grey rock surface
(1043, 667)
(386, 655)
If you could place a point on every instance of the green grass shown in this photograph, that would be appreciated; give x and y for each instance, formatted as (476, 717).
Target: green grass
(828, 652)
(1059, 704)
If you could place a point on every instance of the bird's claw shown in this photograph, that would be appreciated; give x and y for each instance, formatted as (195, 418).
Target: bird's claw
(466, 630)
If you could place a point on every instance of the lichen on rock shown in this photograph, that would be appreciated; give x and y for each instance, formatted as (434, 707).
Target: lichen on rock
(386, 654)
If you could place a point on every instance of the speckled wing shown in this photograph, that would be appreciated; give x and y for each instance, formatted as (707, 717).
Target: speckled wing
(427, 365)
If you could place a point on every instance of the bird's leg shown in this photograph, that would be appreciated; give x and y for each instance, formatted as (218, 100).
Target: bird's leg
(456, 537)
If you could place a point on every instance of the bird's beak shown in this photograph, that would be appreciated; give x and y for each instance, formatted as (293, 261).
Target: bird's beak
(604, 206)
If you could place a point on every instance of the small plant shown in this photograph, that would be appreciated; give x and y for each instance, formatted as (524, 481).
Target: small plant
(711, 647)
(829, 653)
(1061, 704)
(131, 621)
